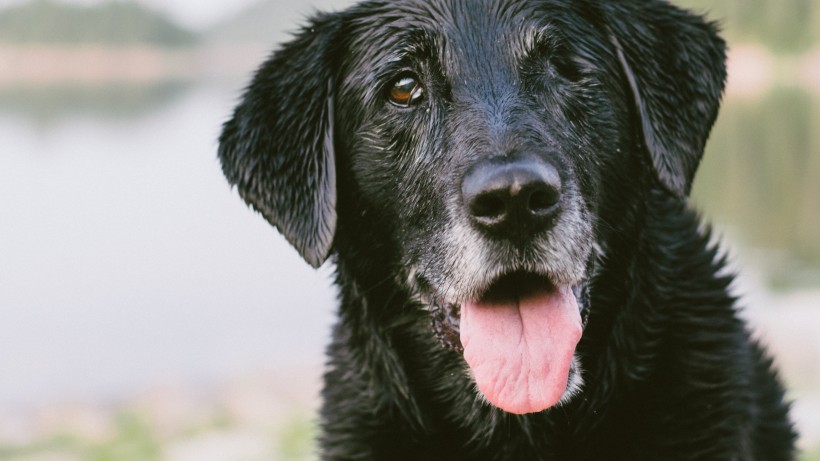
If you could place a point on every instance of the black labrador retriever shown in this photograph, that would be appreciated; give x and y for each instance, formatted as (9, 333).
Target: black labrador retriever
(502, 185)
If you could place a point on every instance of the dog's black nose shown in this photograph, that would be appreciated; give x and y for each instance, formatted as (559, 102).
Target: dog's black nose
(512, 198)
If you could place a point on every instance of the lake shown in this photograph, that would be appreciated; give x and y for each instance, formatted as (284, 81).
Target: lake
(126, 257)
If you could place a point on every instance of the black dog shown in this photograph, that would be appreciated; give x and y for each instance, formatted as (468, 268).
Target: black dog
(502, 186)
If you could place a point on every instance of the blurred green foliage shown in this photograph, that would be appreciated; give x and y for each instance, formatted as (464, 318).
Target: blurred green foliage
(133, 440)
(759, 174)
(784, 26)
(296, 439)
(112, 22)
(811, 456)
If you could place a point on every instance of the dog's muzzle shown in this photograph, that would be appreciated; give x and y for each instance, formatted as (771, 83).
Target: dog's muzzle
(518, 326)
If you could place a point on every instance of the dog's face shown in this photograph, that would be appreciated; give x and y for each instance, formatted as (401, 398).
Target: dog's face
(462, 105)
(479, 146)
(473, 135)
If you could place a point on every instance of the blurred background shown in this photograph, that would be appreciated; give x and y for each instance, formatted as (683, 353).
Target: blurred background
(147, 314)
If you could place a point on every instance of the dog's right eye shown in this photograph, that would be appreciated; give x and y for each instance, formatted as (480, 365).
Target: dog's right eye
(405, 91)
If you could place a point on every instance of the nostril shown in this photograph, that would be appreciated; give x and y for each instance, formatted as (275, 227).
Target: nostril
(542, 200)
(488, 206)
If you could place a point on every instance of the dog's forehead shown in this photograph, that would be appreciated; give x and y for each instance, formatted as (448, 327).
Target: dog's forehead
(465, 36)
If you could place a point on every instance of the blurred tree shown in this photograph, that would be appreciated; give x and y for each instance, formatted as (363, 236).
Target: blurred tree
(112, 22)
(784, 26)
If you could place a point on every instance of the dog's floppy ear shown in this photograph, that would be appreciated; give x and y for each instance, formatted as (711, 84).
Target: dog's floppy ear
(674, 63)
(278, 147)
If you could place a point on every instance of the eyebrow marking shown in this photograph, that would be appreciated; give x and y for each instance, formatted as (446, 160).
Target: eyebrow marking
(532, 39)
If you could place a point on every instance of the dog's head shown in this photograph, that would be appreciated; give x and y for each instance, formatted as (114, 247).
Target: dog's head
(491, 145)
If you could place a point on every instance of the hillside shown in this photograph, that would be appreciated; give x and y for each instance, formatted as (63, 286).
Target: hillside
(113, 23)
(269, 21)
(783, 26)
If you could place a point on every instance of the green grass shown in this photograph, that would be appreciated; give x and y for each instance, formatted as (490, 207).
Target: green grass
(133, 440)
(297, 439)
(813, 455)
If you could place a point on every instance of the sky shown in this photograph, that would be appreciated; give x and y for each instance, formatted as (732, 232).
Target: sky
(192, 13)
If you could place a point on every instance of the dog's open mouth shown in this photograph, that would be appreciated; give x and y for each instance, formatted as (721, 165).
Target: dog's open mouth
(518, 339)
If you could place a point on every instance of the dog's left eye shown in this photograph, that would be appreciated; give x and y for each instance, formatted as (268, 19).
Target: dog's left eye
(405, 91)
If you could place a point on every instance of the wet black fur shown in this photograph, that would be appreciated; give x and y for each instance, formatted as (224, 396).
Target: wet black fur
(621, 96)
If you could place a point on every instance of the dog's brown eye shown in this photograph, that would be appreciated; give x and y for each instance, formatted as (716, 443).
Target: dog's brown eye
(406, 91)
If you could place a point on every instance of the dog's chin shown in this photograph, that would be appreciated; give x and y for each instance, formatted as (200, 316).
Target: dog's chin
(518, 338)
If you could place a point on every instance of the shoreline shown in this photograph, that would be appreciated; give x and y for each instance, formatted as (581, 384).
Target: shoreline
(752, 68)
(44, 66)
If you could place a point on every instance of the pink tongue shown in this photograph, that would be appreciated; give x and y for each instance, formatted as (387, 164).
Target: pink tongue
(520, 351)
